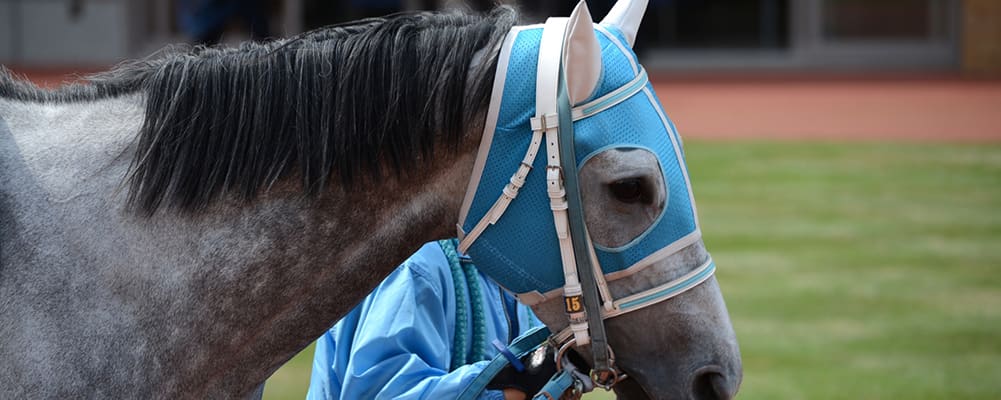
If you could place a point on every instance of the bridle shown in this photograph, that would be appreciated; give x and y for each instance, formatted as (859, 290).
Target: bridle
(587, 299)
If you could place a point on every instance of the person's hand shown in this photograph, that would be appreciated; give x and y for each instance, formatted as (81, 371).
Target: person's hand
(527, 382)
(514, 394)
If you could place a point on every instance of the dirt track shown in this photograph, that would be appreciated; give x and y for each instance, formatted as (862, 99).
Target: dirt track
(803, 107)
(939, 109)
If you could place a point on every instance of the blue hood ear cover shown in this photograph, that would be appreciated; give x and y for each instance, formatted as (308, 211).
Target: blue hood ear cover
(521, 251)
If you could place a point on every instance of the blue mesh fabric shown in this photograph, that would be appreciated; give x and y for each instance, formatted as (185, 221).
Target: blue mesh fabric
(518, 251)
(521, 251)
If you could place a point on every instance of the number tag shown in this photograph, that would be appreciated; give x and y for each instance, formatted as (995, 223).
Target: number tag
(574, 304)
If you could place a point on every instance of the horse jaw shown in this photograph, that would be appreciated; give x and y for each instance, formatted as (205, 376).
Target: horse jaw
(681, 348)
(688, 349)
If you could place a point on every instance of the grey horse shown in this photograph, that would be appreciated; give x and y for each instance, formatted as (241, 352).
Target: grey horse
(183, 225)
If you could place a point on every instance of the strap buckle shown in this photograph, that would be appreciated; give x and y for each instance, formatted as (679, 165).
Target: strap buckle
(603, 378)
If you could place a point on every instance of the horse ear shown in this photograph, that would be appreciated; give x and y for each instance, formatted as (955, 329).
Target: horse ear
(626, 15)
(583, 55)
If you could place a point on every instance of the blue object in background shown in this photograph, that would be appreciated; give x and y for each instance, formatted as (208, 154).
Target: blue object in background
(204, 21)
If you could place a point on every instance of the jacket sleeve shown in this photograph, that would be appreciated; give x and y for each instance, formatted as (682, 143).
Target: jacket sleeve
(400, 346)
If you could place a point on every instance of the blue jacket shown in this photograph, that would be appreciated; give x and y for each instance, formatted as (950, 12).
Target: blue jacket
(398, 343)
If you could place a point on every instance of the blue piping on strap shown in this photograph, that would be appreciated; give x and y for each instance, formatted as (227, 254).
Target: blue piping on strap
(670, 291)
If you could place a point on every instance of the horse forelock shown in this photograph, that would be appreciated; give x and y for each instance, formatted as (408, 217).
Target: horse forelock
(341, 103)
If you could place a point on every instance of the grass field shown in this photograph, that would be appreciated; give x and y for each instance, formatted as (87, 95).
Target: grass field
(852, 271)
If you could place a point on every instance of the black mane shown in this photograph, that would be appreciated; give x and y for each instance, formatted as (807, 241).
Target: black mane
(347, 102)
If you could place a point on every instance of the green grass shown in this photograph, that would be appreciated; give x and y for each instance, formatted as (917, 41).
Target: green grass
(851, 271)
(292, 380)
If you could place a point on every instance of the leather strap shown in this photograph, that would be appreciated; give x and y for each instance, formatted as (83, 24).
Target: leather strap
(578, 232)
(547, 118)
(507, 195)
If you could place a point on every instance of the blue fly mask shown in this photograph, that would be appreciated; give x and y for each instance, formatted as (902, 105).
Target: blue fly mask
(579, 83)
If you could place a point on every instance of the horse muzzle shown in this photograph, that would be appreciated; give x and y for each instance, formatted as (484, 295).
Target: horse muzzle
(710, 382)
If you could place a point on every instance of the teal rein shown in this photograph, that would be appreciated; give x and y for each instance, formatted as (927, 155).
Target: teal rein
(468, 295)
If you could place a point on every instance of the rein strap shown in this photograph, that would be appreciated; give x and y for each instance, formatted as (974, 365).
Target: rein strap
(602, 369)
(547, 110)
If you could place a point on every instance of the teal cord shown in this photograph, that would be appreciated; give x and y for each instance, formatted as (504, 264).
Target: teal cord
(461, 313)
(479, 317)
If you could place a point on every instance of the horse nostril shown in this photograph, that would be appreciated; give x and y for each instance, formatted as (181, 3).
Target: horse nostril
(710, 384)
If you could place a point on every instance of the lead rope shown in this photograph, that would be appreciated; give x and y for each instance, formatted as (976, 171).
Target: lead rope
(476, 301)
(461, 313)
(563, 384)
(467, 287)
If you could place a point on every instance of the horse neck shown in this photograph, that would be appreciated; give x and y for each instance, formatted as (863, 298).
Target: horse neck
(204, 304)
(321, 263)
(289, 270)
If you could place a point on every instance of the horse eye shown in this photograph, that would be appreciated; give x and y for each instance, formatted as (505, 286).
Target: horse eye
(629, 190)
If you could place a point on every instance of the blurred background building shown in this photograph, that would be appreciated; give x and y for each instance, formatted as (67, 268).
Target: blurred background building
(782, 35)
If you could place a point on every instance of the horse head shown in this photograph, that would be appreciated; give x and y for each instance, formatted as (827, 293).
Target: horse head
(603, 226)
